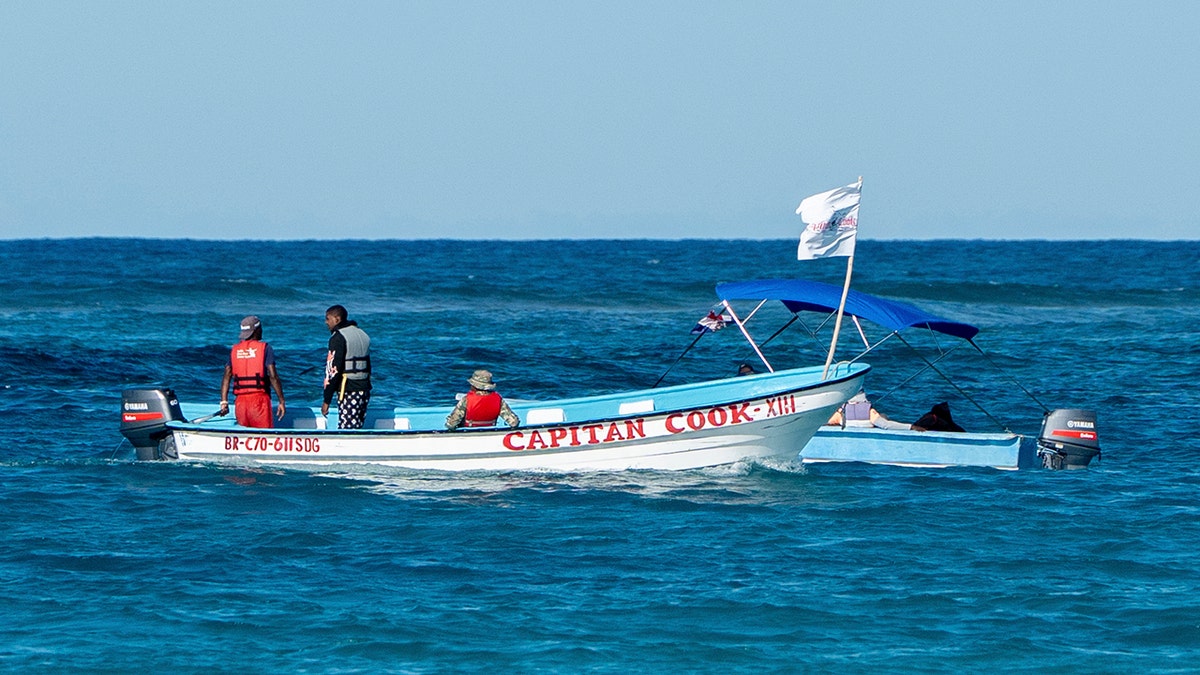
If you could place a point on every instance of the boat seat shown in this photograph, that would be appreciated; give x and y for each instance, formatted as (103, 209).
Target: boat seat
(545, 416)
(300, 422)
(300, 418)
(631, 407)
(402, 423)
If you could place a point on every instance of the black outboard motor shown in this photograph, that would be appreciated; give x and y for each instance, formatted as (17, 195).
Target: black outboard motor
(144, 417)
(1069, 439)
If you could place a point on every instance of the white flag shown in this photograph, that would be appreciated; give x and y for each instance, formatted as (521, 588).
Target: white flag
(830, 223)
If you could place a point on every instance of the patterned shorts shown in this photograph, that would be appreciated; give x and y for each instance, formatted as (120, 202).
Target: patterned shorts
(352, 408)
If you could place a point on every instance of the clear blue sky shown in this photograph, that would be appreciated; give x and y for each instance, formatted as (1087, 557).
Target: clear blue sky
(515, 120)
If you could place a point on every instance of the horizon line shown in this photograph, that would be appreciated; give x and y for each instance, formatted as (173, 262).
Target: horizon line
(570, 239)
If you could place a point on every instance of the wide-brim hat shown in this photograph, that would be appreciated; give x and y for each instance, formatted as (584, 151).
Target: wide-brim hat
(482, 379)
(248, 326)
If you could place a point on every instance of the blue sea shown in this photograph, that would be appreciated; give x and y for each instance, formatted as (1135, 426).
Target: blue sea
(112, 565)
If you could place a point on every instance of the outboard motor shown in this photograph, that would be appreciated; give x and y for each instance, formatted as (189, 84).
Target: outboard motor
(1069, 439)
(144, 417)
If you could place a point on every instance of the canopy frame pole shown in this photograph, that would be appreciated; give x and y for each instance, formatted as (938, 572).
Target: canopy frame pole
(861, 333)
(837, 325)
(954, 384)
(794, 319)
(824, 321)
(677, 360)
(742, 327)
(920, 371)
(811, 333)
(875, 346)
(1012, 379)
(752, 313)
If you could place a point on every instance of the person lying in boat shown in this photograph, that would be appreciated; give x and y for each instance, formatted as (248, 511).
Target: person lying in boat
(859, 412)
(481, 406)
(746, 369)
(937, 419)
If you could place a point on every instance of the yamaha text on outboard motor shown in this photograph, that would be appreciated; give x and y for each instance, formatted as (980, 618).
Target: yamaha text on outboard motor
(144, 417)
(1069, 439)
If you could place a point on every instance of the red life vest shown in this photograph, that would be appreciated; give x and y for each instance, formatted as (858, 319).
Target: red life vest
(483, 407)
(249, 369)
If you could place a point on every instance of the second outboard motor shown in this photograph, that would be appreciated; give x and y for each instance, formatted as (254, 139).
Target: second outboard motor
(1068, 439)
(144, 417)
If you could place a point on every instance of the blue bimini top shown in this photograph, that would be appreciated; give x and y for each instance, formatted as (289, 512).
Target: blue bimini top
(799, 295)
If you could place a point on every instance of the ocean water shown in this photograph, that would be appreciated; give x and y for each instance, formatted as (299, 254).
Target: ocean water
(107, 564)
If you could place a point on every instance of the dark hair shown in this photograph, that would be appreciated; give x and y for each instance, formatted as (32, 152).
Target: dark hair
(338, 311)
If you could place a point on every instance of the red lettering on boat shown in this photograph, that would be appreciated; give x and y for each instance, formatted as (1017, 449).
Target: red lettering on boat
(536, 441)
(592, 429)
(614, 433)
(514, 437)
(738, 413)
(634, 429)
(718, 417)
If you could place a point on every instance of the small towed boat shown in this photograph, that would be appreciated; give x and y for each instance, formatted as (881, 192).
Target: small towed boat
(687, 426)
(1068, 438)
(935, 449)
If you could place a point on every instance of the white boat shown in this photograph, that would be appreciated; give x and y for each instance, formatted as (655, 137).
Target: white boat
(1068, 437)
(687, 426)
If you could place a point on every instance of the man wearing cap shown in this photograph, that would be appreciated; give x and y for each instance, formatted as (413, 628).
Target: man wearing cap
(251, 366)
(481, 406)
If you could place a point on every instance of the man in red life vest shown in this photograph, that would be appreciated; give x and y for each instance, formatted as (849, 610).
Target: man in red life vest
(251, 366)
(481, 406)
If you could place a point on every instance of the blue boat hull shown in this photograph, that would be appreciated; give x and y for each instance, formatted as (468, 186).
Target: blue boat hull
(920, 448)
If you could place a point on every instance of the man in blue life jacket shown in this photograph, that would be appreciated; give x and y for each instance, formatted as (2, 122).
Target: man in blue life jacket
(347, 369)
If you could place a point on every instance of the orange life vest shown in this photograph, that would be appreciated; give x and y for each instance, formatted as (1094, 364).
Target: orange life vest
(249, 369)
(483, 407)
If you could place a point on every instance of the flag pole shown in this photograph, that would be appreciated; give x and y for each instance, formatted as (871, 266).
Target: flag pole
(837, 325)
(831, 229)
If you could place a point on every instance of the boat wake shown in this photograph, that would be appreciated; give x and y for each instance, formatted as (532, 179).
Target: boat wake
(737, 483)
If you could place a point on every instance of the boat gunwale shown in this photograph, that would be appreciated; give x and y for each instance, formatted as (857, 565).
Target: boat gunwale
(949, 436)
(856, 370)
